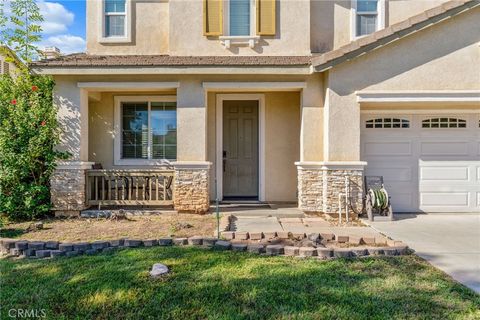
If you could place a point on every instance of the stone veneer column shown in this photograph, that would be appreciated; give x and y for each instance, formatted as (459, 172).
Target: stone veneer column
(191, 187)
(67, 188)
(310, 188)
(320, 183)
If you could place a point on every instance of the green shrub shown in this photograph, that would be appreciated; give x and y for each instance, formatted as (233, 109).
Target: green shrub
(28, 134)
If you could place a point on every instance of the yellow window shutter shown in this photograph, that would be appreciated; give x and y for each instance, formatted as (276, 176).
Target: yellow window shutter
(213, 17)
(266, 20)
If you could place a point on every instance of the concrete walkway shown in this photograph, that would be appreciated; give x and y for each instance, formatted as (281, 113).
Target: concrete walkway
(297, 225)
(261, 210)
(450, 242)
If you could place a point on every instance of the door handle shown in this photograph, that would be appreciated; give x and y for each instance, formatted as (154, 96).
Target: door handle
(224, 159)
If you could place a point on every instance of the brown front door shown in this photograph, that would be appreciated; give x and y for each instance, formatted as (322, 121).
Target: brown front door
(240, 149)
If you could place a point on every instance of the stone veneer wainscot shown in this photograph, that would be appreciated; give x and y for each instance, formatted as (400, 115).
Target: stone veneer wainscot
(67, 188)
(320, 183)
(191, 187)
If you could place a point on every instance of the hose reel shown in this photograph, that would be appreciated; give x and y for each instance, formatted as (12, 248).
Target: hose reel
(377, 199)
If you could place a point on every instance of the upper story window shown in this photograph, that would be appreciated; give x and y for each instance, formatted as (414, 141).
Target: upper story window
(116, 20)
(368, 16)
(239, 17)
(239, 22)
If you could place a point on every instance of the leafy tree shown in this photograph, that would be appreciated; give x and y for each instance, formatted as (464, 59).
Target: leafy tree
(25, 17)
(29, 130)
(28, 135)
(3, 23)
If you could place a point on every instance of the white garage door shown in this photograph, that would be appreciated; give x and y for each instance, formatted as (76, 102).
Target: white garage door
(430, 163)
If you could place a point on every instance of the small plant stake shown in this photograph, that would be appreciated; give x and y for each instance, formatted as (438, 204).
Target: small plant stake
(217, 209)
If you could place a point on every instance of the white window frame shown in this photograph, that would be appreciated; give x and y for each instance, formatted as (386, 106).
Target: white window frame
(117, 134)
(380, 18)
(128, 24)
(227, 40)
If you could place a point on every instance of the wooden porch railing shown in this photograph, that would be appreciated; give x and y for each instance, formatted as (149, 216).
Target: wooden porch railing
(130, 187)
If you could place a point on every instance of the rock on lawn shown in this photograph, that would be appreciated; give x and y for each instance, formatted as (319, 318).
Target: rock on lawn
(158, 270)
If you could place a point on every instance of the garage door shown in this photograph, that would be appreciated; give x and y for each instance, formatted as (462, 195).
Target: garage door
(430, 163)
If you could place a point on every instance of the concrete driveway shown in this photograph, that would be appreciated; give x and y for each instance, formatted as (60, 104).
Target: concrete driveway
(450, 242)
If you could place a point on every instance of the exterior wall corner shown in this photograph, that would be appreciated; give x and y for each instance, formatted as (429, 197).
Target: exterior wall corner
(322, 187)
(191, 187)
(67, 187)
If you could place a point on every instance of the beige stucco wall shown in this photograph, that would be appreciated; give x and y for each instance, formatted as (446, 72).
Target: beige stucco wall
(399, 10)
(72, 104)
(436, 58)
(312, 119)
(292, 36)
(101, 126)
(282, 143)
(331, 20)
(176, 28)
(150, 28)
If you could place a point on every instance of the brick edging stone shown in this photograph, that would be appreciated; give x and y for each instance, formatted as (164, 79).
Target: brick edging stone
(40, 249)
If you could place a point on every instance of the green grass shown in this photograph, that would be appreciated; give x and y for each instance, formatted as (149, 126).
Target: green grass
(207, 284)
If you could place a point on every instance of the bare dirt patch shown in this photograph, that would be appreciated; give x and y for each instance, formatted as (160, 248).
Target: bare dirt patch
(144, 227)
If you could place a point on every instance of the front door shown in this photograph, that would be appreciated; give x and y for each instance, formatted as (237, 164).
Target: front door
(240, 149)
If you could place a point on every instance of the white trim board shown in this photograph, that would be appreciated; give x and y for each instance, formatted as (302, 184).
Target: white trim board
(255, 86)
(418, 96)
(119, 86)
(219, 140)
(331, 165)
(71, 165)
(186, 165)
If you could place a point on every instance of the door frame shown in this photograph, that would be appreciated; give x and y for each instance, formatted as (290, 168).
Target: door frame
(261, 139)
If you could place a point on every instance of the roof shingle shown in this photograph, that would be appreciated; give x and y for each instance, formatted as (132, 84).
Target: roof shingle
(320, 62)
(85, 60)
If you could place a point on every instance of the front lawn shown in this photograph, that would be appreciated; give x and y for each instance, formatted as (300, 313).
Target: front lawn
(206, 284)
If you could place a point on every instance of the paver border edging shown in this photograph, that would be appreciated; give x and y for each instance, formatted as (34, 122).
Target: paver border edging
(37, 249)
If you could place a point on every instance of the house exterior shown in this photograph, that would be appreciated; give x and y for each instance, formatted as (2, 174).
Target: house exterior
(273, 101)
(9, 62)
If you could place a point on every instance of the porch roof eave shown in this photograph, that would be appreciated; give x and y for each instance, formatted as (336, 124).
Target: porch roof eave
(175, 70)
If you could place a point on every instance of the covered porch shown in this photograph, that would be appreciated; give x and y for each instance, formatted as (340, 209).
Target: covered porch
(182, 143)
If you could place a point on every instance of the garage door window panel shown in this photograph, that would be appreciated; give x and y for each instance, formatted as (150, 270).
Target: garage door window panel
(443, 123)
(387, 123)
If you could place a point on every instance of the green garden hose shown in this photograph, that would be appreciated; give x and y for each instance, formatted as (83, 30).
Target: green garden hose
(379, 198)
